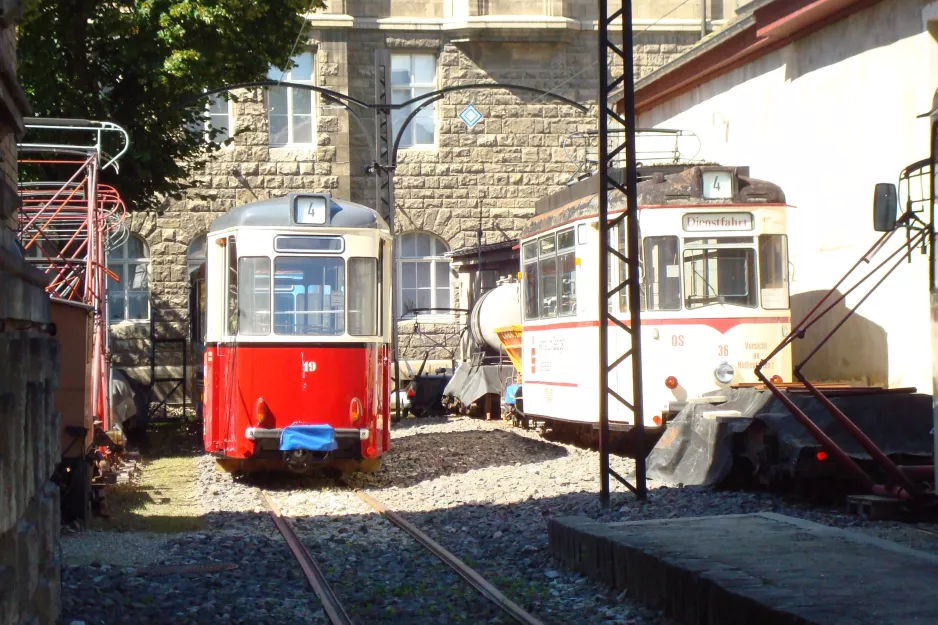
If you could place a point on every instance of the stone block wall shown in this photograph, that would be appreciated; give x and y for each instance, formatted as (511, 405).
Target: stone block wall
(29, 425)
(490, 176)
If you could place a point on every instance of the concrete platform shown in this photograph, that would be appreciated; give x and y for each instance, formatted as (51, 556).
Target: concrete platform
(753, 569)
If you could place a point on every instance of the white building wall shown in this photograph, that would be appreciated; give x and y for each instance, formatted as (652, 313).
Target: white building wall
(826, 117)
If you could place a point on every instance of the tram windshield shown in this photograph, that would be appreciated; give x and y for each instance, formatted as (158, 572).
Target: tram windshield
(715, 273)
(309, 296)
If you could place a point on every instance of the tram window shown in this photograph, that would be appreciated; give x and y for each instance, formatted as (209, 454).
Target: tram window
(362, 296)
(618, 271)
(231, 322)
(254, 296)
(309, 296)
(529, 258)
(309, 244)
(719, 276)
(566, 259)
(773, 271)
(662, 284)
(547, 275)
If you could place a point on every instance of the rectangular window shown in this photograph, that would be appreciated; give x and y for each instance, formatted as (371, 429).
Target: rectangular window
(413, 75)
(724, 276)
(362, 296)
(566, 260)
(773, 271)
(662, 273)
(219, 119)
(290, 111)
(529, 258)
(547, 275)
(309, 296)
(231, 322)
(254, 296)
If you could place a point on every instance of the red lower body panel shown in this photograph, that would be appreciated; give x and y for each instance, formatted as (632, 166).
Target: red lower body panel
(297, 384)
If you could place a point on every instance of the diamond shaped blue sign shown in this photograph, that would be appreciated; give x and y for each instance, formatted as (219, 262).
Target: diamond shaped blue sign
(470, 116)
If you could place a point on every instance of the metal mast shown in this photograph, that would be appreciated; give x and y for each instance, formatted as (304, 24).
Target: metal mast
(385, 163)
(611, 78)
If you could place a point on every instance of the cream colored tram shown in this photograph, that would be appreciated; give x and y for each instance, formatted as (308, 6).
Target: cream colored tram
(715, 294)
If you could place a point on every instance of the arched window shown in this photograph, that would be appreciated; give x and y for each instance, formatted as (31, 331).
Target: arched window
(195, 254)
(423, 273)
(195, 260)
(129, 296)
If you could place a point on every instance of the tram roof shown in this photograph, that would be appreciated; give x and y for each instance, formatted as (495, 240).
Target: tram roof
(658, 189)
(277, 212)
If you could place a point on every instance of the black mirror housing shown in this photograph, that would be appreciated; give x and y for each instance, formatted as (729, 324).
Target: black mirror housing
(885, 207)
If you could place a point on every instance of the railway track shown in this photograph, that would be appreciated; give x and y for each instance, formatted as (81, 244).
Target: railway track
(332, 605)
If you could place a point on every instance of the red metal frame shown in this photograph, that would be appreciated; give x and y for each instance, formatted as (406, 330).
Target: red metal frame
(903, 478)
(66, 228)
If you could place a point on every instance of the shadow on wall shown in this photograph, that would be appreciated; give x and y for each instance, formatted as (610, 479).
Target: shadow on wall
(855, 354)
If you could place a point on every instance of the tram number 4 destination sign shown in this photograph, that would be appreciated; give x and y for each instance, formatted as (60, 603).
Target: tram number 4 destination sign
(470, 116)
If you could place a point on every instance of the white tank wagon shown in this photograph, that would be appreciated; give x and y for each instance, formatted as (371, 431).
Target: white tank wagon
(489, 370)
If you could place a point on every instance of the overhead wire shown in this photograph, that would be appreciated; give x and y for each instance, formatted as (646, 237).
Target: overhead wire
(283, 72)
(595, 63)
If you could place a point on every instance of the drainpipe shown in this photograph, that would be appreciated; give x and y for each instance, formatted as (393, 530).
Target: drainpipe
(703, 18)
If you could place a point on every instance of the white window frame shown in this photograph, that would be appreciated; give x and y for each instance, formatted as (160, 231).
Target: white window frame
(287, 76)
(411, 87)
(208, 120)
(435, 260)
(117, 265)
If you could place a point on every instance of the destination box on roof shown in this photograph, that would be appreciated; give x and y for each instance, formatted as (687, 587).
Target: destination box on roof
(709, 222)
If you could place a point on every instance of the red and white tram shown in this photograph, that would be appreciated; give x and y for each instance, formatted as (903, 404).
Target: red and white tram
(715, 297)
(297, 338)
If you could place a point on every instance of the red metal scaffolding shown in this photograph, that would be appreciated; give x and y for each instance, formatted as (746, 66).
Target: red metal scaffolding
(66, 227)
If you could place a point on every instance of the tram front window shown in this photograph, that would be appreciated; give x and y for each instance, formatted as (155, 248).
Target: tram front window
(309, 296)
(718, 275)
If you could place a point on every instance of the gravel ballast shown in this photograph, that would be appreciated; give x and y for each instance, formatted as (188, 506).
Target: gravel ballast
(484, 490)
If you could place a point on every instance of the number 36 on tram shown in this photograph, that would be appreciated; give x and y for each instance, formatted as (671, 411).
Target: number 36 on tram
(714, 294)
(298, 334)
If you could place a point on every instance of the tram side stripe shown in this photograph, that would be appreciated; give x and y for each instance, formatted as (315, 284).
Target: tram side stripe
(720, 324)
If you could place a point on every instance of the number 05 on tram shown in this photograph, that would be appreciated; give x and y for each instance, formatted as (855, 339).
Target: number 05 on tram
(714, 294)
(298, 333)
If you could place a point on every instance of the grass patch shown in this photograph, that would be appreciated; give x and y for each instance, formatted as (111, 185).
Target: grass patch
(162, 501)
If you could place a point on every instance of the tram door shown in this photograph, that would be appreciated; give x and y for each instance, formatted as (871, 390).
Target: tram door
(197, 321)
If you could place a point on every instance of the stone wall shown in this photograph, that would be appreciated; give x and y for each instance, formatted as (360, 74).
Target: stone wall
(29, 425)
(527, 146)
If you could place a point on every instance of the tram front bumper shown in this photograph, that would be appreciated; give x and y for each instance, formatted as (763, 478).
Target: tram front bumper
(256, 434)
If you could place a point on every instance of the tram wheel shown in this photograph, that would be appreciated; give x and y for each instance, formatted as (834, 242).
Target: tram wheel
(228, 465)
(369, 465)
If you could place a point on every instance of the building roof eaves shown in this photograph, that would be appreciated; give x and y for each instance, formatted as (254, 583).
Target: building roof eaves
(491, 22)
(762, 27)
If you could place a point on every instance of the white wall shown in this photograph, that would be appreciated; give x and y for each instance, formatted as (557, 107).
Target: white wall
(827, 117)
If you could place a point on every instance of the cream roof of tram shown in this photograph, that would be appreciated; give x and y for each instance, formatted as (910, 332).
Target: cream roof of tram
(277, 212)
(676, 189)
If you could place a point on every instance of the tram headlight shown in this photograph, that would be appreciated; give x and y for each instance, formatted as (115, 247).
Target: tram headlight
(355, 410)
(261, 411)
(724, 373)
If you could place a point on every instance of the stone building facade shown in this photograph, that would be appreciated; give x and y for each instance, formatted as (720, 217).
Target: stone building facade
(451, 180)
(29, 424)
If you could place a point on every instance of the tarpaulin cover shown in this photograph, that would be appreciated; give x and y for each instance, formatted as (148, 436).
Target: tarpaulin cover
(308, 437)
(123, 404)
(697, 448)
(471, 383)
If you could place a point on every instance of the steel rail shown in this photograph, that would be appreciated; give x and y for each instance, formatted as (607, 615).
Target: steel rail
(317, 581)
(474, 579)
